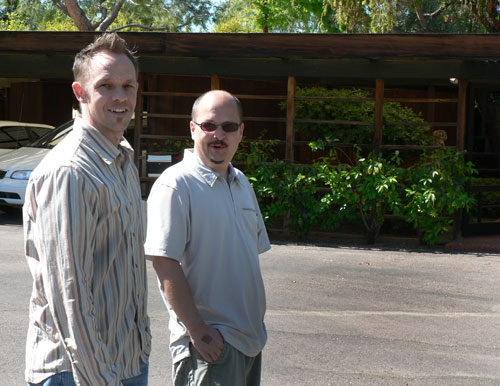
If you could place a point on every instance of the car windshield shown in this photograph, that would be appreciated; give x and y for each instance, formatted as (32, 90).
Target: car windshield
(51, 139)
(14, 136)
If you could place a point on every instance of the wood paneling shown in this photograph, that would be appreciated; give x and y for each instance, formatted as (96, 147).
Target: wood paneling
(379, 115)
(290, 116)
(461, 114)
(410, 57)
(472, 46)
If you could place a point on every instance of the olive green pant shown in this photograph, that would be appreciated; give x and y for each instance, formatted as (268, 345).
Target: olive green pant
(232, 368)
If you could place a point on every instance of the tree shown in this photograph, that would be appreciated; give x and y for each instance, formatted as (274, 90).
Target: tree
(417, 15)
(167, 15)
(306, 16)
(32, 15)
(236, 16)
(105, 15)
(365, 16)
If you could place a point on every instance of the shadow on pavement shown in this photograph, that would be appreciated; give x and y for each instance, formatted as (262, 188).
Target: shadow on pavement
(472, 245)
(11, 216)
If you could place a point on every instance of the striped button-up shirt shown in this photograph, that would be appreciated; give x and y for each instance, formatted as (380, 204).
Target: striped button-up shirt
(84, 231)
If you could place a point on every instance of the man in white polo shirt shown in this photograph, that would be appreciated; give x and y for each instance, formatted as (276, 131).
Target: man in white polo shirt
(205, 232)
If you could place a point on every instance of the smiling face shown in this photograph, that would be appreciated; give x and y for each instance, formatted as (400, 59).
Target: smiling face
(107, 93)
(217, 148)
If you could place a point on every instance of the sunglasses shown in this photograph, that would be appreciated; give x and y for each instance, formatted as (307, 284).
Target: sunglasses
(228, 127)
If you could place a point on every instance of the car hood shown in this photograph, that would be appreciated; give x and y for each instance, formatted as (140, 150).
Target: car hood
(5, 151)
(24, 158)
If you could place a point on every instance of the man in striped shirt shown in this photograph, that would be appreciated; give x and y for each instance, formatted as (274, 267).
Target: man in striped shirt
(84, 232)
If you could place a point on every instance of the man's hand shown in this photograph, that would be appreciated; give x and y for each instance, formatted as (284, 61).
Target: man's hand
(208, 342)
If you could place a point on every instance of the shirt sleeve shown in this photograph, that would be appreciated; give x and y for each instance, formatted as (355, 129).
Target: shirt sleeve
(65, 214)
(168, 221)
(262, 236)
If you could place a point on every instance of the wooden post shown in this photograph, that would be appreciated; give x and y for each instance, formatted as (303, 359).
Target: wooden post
(214, 82)
(138, 123)
(290, 117)
(460, 142)
(461, 114)
(431, 107)
(379, 115)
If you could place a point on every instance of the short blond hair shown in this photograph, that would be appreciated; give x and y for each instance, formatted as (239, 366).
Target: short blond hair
(106, 42)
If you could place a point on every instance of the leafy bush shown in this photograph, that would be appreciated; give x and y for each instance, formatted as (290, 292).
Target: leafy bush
(172, 145)
(292, 192)
(488, 198)
(283, 190)
(369, 186)
(356, 111)
(436, 190)
(426, 194)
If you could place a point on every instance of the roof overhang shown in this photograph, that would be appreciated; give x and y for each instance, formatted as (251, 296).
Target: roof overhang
(412, 58)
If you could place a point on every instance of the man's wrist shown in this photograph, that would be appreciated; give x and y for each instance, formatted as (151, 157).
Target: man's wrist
(197, 329)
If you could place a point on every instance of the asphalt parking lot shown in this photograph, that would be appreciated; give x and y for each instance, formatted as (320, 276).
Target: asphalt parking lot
(337, 315)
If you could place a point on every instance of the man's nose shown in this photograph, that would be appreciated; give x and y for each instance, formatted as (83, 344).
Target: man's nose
(119, 93)
(219, 132)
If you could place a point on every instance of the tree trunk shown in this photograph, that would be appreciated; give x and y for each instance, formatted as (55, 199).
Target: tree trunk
(78, 16)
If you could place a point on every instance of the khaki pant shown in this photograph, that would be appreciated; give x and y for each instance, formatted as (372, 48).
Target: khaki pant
(232, 368)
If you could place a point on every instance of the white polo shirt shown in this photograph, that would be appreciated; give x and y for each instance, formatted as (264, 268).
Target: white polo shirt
(214, 228)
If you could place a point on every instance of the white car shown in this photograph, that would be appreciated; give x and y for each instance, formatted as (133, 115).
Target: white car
(17, 165)
(15, 134)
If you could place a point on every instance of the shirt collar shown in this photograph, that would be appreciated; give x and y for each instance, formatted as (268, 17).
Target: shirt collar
(97, 141)
(205, 172)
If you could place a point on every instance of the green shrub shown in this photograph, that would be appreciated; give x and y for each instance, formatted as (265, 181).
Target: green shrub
(356, 111)
(487, 198)
(172, 145)
(368, 186)
(284, 191)
(427, 194)
(436, 190)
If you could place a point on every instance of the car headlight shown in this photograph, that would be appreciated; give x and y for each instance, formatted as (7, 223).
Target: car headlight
(21, 175)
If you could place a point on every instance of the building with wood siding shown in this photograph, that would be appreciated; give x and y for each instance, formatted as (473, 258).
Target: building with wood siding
(452, 80)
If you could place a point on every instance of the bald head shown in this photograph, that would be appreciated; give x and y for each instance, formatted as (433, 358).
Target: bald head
(210, 96)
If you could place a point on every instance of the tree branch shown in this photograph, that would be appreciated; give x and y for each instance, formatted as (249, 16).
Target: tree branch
(103, 13)
(78, 16)
(62, 7)
(111, 18)
(421, 17)
(439, 10)
(140, 26)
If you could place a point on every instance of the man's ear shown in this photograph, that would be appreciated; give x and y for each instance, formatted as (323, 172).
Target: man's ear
(242, 129)
(192, 128)
(78, 91)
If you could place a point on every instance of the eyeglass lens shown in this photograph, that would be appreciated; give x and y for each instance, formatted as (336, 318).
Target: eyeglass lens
(228, 127)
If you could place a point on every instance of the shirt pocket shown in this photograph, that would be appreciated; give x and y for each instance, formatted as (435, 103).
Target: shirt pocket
(250, 220)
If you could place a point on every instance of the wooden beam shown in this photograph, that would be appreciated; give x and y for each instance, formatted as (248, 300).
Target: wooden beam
(379, 115)
(480, 46)
(431, 107)
(25, 65)
(138, 123)
(461, 113)
(214, 82)
(362, 70)
(405, 70)
(197, 94)
(290, 116)
(460, 142)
